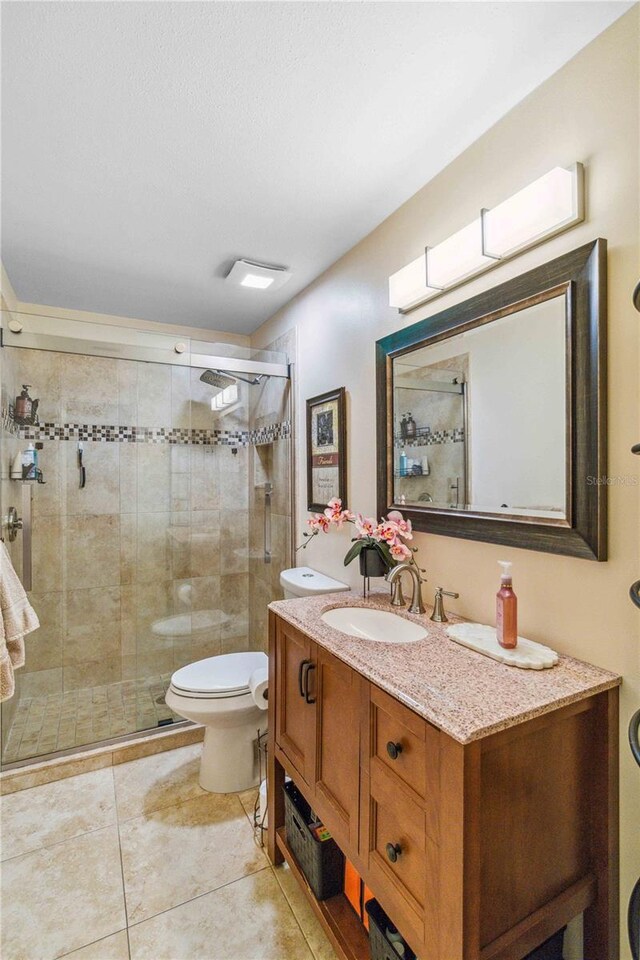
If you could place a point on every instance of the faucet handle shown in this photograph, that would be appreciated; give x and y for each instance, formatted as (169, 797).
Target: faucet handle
(439, 615)
(397, 596)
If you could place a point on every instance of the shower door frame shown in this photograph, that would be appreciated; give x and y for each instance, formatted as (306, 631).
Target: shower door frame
(27, 331)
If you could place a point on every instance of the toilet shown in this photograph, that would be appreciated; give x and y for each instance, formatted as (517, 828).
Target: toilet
(215, 692)
(306, 582)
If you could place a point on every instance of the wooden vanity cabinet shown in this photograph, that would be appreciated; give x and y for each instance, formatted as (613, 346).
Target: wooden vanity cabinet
(477, 851)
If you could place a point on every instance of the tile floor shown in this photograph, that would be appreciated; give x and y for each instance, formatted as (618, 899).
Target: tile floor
(137, 862)
(45, 724)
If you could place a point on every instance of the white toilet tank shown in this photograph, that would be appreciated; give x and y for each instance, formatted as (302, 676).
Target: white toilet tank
(305, 582)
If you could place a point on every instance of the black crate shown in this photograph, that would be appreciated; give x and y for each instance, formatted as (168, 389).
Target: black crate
(321, 861)
(551, 949)
(380, 946)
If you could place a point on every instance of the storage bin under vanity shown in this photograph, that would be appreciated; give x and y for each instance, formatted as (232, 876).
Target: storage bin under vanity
(385, 942)
(321, 861)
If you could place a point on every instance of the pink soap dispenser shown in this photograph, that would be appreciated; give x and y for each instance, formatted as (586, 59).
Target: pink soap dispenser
(506, 609)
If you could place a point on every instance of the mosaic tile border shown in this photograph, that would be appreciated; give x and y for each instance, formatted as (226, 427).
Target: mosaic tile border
(273, 431)
(430, 439)
(109, 433)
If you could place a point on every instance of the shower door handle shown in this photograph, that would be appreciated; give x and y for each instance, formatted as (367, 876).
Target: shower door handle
(27, 556)
(268, 490)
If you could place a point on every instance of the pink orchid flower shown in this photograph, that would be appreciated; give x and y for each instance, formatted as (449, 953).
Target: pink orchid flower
(388, 531)
(319, 522)
(335, 514)
(399, 551)
(404, 526)
(365, 526)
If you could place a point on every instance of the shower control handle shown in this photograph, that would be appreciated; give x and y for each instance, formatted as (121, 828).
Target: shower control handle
(14, 523)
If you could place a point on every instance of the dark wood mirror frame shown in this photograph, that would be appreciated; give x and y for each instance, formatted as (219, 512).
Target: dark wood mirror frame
(583, 275)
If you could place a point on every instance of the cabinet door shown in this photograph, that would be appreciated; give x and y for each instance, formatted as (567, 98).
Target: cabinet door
(336, 784)
(296, 710)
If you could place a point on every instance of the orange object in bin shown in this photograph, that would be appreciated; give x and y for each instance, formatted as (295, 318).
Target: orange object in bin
(353, 887)
(356, 892)
(366, 896)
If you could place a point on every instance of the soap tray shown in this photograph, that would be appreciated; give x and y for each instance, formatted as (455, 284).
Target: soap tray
(483, 639)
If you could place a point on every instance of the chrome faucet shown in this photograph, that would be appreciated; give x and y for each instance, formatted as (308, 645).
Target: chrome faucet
(416, 605)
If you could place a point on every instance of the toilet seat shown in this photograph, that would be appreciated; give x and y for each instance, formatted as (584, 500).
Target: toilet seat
(219, 677)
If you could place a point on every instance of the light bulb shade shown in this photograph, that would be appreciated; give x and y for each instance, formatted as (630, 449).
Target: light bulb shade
(549, 205)
(456, 258)
(407, 287)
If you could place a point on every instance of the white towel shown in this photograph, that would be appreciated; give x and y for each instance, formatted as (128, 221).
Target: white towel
(17, 618)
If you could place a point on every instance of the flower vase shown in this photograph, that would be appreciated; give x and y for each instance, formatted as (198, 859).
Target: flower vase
(372, 563)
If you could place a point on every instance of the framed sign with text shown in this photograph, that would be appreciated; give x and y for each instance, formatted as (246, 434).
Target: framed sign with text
(326, 449)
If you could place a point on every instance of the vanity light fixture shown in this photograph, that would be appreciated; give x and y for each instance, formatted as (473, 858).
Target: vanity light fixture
(544, 208)
(258, 276)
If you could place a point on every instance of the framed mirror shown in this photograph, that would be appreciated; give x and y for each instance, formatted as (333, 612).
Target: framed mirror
(492, 414)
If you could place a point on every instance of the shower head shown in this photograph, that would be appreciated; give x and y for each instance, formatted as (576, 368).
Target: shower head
(216, 378)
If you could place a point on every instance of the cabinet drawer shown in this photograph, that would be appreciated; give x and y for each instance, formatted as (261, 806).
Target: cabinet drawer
(407, 747)
(402, 858)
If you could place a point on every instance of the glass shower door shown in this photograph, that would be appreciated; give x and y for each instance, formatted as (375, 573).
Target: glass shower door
(143, 534)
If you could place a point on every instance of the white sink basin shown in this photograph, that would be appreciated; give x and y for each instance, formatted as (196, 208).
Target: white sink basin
(377, 625)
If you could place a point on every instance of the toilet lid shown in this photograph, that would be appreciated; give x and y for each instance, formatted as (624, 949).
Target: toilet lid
(226, 675)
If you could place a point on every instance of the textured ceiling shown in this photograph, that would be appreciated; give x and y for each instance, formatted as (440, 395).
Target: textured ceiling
(145, 146)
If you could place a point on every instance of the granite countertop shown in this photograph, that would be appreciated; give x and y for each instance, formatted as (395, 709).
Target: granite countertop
(463, 693)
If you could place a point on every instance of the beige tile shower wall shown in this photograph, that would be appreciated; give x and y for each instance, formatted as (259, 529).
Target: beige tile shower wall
(160, 530)
(10, 495)
(587, 111)
(269, 463)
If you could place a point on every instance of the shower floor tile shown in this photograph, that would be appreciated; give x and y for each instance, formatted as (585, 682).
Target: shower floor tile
(80, 717)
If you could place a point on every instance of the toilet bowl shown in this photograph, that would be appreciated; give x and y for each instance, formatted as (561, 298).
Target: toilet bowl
(307, 582)
(215, 692)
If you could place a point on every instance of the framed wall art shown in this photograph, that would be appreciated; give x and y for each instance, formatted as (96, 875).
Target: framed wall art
(326, 449)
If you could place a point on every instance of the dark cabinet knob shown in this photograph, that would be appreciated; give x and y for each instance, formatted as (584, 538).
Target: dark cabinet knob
(394, 749)
(393, 851)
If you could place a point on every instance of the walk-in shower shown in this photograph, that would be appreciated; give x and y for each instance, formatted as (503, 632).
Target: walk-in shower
(160, 527)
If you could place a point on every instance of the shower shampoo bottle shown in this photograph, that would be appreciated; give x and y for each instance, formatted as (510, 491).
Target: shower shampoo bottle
(506, 609)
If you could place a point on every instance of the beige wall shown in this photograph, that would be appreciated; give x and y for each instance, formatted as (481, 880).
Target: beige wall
(588, 111)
